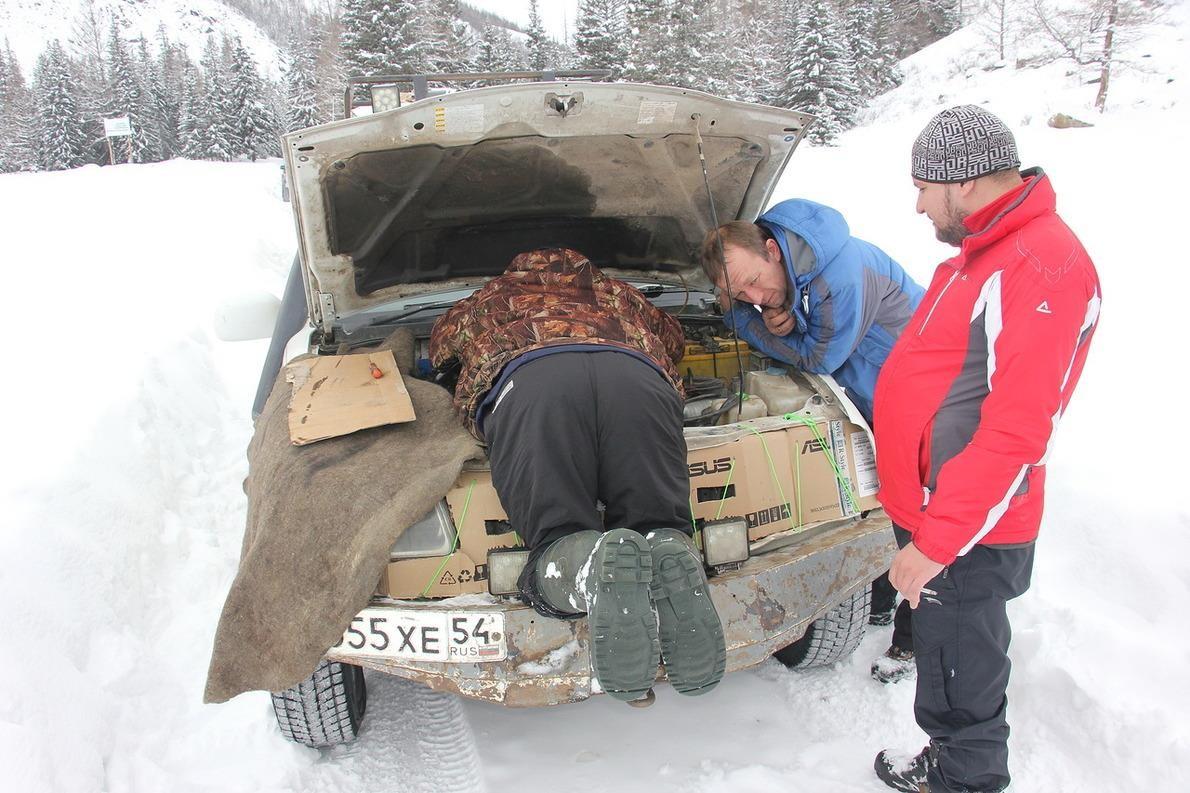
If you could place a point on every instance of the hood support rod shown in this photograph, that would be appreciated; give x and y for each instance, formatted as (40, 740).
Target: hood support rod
(706, 180)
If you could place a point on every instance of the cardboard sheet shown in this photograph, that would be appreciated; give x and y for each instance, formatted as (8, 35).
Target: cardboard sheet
(336, 395)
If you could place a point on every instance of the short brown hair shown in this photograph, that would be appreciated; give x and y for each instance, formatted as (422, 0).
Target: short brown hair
(739, 233)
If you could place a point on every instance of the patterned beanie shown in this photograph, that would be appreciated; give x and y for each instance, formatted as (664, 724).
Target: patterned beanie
(963, 143)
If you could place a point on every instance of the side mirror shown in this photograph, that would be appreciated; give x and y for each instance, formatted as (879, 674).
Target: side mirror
(247, 317)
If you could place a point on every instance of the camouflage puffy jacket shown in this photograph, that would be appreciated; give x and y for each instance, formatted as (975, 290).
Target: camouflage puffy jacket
(545, 298)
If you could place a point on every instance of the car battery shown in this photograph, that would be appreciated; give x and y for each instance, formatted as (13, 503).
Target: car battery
(715, 358)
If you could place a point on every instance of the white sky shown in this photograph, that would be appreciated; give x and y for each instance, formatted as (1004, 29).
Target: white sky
(556, 15)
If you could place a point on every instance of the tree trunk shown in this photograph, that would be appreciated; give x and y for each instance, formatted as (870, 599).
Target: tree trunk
(1002, 26)
(1105, 69)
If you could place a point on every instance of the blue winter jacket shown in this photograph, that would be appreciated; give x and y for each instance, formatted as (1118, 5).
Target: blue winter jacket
(850, 300)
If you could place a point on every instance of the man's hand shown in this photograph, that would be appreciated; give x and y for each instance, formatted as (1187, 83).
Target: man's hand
(778, 320)
(911, 570)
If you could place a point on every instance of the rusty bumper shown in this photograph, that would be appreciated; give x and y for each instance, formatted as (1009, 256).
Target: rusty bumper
(765, 605)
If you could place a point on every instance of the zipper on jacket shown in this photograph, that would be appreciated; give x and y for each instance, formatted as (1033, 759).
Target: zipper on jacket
(926, 321)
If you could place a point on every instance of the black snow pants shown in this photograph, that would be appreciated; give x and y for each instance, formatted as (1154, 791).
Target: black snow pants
(884, 595)
(576, 428)
(960, 639)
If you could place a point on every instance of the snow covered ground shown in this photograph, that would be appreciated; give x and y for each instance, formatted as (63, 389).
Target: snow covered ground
(126, 424)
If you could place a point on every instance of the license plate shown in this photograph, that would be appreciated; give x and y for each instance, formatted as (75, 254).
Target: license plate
(443, 636)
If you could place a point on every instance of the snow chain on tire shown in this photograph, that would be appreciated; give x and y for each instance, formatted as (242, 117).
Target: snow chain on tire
(833, 636)
(326, 708)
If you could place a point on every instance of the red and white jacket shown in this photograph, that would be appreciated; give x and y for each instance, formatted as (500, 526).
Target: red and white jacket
(968, 401)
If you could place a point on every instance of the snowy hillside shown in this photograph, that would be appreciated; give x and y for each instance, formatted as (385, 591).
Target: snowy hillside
(123, 510)
(964, 67)
(30, 24)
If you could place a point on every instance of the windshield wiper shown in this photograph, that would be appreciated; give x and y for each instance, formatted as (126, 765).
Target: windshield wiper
(420, 307)
(656, 290)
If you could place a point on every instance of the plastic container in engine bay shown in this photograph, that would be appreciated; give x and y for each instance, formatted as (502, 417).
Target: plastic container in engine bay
(780, 392)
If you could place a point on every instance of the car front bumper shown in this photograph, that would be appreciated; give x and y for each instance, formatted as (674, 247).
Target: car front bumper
(765, 605)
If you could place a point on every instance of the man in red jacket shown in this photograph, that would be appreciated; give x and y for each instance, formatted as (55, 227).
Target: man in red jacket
(966, 408)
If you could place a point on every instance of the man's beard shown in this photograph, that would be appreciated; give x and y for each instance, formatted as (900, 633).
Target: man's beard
(953, 230)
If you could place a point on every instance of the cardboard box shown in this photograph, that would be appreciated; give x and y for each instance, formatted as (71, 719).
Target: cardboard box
(336, 395)
(482, 525)
(780, 474)
(776, 473)
(438, 577)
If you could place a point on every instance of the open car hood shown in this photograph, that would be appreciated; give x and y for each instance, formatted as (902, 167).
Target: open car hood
(445, 191)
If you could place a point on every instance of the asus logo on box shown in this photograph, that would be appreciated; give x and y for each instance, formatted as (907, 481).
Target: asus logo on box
(719, 466)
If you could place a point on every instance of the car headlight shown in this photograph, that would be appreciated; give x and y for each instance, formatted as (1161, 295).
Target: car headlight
(725, 542)
(504, 568)
(433, 535)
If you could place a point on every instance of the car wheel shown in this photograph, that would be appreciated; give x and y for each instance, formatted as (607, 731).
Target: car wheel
(832, 637)
(325, 709)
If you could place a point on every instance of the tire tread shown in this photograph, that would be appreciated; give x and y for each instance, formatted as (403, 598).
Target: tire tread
(325, 709)
(833, 636)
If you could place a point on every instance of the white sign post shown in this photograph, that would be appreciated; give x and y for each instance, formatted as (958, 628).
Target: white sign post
(119, 127)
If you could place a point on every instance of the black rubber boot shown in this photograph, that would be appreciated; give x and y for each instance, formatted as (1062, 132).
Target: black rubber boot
(557, 571)
(692, 643)
(624, 649)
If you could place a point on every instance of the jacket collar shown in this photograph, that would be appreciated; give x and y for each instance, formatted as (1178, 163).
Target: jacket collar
(1010, 211)
(559, 259)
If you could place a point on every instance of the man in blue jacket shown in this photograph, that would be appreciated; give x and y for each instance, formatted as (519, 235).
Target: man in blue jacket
(830, 304)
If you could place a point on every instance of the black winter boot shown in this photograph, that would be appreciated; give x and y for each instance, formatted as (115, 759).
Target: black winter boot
(624, 649)
(894, 666)
(907, 774)
(606, 576)
(556, 572)
(692, 643)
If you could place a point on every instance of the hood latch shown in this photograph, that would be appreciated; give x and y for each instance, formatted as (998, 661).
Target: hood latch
(563, 104)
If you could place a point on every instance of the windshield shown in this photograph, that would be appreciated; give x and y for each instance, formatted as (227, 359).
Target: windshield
(425, 307)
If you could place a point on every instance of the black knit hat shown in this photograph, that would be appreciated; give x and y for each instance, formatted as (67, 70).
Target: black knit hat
(963, 143)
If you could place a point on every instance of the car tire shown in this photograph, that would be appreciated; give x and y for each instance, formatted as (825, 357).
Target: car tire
(832, 637)
(325, 709)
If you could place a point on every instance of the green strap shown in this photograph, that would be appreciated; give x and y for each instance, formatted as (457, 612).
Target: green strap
(830, 455)
(773, 471)
(455, 546)
(797, 478)
(726, 485)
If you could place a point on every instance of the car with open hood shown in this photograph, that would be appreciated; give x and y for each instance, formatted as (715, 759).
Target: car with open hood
(402, 212)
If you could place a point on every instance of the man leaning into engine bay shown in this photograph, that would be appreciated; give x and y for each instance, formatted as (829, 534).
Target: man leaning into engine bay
(570, 378)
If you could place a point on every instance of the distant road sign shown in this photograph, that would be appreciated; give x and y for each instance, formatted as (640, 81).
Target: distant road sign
(117, 127)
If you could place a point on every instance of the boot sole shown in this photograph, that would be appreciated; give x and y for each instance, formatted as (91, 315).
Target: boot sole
(692, 644)
(624, 648)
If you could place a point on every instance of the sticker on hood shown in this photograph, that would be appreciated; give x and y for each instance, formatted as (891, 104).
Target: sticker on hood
(458, 118)
(653, 112)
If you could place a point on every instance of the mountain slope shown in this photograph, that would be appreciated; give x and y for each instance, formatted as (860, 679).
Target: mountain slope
(30, 24)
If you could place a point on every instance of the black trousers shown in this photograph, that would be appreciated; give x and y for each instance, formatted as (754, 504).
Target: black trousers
(576, 428)
(961, 638)
(884, 597)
